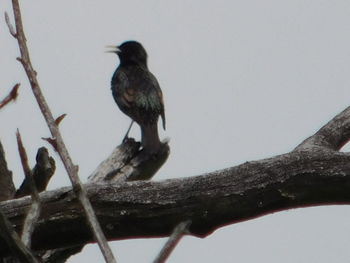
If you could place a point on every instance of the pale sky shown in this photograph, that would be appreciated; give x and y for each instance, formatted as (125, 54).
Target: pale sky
(242, 81)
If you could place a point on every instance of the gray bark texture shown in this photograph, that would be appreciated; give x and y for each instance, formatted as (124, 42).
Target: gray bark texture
(315, 173)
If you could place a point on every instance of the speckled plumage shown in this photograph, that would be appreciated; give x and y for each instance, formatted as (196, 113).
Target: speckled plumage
(137, 92)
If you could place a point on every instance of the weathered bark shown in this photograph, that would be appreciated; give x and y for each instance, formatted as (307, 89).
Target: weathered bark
(7, 188)
(19, 251)
(42, 172)
(128, 163)
(153, 209)
(125, 163)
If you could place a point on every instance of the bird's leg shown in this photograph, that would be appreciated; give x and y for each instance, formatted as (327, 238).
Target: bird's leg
(126, 137)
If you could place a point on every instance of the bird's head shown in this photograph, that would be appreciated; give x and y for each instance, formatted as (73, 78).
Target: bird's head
(130, 52)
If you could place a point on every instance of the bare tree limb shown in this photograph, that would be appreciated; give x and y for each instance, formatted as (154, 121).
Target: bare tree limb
(62, 150)
(34, 211)
(42, 172)
(7, 188)
(332, 136)
(210, 201)
(11, 97)
(301, 178)
(61, 255)
(127, 163)
(13, 242)
(179, 231)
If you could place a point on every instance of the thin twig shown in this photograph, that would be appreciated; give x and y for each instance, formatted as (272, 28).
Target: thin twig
(9, 25)
(62, 150)
(179, 231)
(18, 249)
(34, 210)
(12, 96)
(60, 118)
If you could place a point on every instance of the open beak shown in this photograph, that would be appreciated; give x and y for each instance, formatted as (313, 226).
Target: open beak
(112, 49)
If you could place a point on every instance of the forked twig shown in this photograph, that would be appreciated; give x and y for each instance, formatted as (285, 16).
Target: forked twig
(61, 148)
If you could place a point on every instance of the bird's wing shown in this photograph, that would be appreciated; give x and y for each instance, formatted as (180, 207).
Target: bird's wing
(160, 96)
(123, 91)
(156, 96)
(137, 93)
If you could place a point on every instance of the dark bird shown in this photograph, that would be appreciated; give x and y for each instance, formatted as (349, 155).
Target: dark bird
(137, 93)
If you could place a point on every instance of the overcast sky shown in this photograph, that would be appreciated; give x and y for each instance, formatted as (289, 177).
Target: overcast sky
(242, 80)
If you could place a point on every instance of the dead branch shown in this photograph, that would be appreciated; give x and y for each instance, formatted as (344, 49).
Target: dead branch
(308, 176)
(128, 163)
(42, 172)
(34, 210)
(14, 243)
(153, 209)
(12, 96)
(332, 136)
(179, 231)
(7, 188)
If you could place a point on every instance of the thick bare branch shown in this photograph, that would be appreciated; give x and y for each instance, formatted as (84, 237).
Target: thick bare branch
(42, 172)
(154, 209)
(62, 150)
(332, 136)
(14, 243)
(60, 255)
(127, 163)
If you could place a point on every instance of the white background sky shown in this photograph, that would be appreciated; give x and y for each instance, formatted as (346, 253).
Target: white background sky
(242, 80)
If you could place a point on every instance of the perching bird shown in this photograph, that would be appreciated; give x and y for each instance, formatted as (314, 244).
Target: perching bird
(137, 93)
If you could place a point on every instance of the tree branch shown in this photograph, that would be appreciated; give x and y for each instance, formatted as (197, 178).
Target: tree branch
(62, 150)
(173, 240)
(42, 172)
(332, 136)
(7, 188)
(14, 243)
(128, 163)
(154, 209)
(34, 210)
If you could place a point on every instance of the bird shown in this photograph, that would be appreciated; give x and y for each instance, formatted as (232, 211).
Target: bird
(137, 93)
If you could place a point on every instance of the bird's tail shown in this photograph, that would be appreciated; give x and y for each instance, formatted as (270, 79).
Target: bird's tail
(150, 138)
